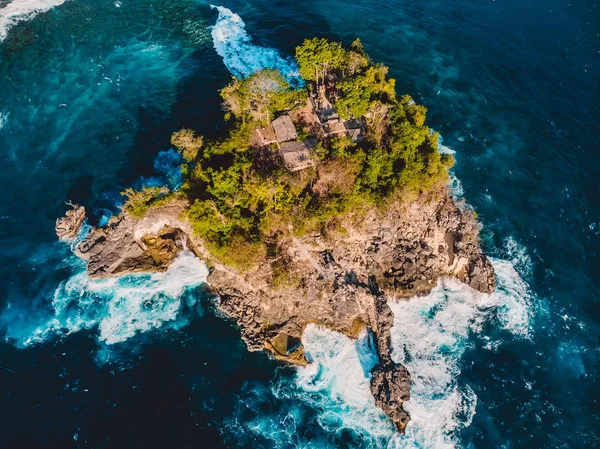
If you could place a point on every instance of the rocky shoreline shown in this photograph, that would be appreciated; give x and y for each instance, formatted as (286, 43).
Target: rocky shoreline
(340, 281)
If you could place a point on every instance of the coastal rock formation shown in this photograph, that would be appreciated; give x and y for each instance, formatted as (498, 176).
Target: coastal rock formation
(342, 280)
(129, 245)
(68, 226)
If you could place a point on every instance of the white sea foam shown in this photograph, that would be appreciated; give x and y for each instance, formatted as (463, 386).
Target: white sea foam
(4, 118)
(340, 373)
(429, 337)
(241, 57)
(121, 306)
(455, 184)
(518, 255)
(21, 11)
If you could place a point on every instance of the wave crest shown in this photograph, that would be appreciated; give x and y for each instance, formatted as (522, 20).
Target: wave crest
(429, 337)
(241, 57)
(22, 11)
(120, 307)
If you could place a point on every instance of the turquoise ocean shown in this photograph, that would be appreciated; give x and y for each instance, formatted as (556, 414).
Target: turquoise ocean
(90, 91)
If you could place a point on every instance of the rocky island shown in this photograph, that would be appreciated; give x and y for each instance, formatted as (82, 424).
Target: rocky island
(326, 199)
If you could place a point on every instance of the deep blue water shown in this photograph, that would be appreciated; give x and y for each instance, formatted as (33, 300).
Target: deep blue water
(89, 94)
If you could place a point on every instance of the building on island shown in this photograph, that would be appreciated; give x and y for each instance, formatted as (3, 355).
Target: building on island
(284, 128)
(330, 121)
(280, 130)
(297, 155)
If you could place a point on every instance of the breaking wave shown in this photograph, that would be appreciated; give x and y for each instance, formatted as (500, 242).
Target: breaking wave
(22, 11)
(455, 184)
(241, 57)
(120, 307)
(429, 337)
(327, 403)
(337, 378)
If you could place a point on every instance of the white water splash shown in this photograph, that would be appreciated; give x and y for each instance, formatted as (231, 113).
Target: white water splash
(121, 306)
(4, 118)
(339, 373)
(22, 11)
(429, 337)
(455, 185)
(241, 57)
(518, 256)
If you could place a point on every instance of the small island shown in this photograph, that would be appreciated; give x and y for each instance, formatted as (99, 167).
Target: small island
(327, 197)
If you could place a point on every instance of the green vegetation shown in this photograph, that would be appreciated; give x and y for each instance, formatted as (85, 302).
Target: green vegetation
(138, 202)
(258, 97)
(187, 143)
(241, 197)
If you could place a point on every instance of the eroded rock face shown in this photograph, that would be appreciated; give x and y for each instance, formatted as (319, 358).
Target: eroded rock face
(68, 226)
(342, 281)
(390, 385)
(128, 245)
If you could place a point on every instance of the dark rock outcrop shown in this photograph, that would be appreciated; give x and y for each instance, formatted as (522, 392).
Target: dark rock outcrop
(390, 385)
(129, 245)
(342, 280)
(68, 226)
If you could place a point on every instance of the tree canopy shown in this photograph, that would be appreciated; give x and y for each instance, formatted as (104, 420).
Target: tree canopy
(259, 96)
(242, 197)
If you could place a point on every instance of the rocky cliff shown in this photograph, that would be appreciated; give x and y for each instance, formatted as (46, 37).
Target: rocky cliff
(341, 280)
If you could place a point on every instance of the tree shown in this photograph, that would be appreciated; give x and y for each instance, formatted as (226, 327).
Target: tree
(357, 59)
(138, 201)
(319, 57)
(187, 143)
(360, 92)
(259, 96)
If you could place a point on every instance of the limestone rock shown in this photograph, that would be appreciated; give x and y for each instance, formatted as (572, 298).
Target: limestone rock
(341, 281)
(68, 226)
(390, 385)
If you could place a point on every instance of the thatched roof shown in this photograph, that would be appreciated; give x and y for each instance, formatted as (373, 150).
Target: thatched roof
(266, 135)
(335, 126)
(297, 155)
(284, 128)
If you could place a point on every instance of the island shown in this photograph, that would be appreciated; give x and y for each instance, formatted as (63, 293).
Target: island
(326, 198)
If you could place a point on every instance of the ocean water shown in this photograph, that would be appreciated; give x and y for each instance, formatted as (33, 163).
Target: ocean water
(89, 94)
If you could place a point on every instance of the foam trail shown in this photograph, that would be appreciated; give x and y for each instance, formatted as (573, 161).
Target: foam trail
(241, 57)
(336, 385)
(429, 337)
(122, 306)
(455, 185)
(21, 11)
(340, 372)
(3, 118)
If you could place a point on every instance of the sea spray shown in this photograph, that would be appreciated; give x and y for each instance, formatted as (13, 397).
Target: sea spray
(339, 373)
(3, 119)
(241, 57)
(120, 307)
(22, 11)
(429, 337)
(327, 403)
